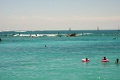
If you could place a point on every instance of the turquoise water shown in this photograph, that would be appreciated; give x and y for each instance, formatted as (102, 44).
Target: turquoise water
(23, 55)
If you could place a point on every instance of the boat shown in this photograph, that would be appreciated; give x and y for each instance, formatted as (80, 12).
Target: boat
(71, 35)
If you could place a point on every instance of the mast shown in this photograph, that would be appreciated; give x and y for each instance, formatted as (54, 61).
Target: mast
(118, 28)
(69, 29)
(98, 28)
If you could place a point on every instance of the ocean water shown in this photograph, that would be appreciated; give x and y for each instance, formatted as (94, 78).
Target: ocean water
(24, 56)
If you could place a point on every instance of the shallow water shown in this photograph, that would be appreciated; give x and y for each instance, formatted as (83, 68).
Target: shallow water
(25, 57)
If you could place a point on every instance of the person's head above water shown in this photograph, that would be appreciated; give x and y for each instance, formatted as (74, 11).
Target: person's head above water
(104, 58)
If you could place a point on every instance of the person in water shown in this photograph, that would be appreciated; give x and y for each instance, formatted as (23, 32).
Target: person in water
(45, 46)
(87, 59)
(104, 58)
(117, 61)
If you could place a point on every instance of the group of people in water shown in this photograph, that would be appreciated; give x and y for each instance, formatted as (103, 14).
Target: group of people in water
(103, 60)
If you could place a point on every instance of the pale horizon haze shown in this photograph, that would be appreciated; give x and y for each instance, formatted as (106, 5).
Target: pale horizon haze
(59, 14)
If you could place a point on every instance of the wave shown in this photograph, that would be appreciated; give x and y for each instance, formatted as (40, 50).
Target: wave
(59, 33)
(38, 35)
(49, 35)
(20, 31)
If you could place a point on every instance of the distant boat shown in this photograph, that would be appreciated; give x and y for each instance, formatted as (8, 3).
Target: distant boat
(71, 35)
(97, 28)
(69, 29)
(118, 28)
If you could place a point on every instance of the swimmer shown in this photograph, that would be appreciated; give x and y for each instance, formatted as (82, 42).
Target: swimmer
(117, 61)
(104, 58)
(45, 46)
(0, 39)
(87, 59)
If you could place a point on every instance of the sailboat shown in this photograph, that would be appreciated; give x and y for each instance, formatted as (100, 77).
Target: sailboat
(118, 28)
(98, 28)
(71, 35)
(117, 34)
(69, 29)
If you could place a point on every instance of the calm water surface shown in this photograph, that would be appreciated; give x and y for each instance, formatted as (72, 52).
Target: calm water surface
(23, 55)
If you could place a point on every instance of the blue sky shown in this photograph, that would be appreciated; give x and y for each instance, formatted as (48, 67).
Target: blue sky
(59, 14)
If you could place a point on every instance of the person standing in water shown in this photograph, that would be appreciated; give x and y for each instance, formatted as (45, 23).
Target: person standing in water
(0, 39)
(117, 61)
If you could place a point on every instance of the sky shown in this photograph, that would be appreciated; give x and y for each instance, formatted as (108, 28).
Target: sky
(59, 14)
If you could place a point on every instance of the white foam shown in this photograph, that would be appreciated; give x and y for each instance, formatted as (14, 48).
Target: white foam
(51, 35)
(20, 31)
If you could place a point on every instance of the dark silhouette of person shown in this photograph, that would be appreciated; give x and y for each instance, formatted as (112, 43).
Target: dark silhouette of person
(104, 58)
(117, 61)
(86, 59)
(0, 39)
(45, 46)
